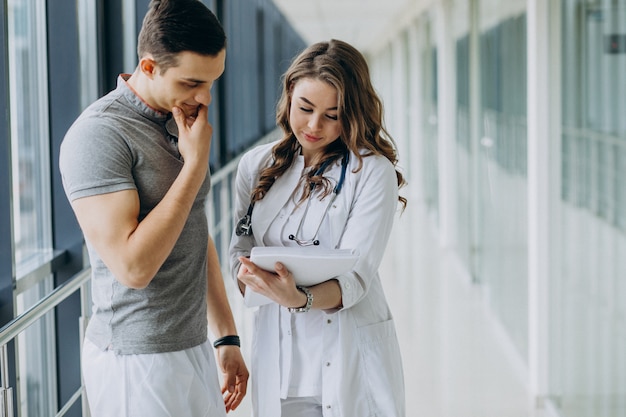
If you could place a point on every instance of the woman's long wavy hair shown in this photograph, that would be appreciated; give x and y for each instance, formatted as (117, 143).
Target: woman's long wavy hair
(360, 112)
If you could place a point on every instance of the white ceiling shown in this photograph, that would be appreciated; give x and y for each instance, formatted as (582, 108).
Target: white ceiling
(363, 23)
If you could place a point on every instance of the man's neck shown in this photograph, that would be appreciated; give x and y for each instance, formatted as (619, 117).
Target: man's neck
(139, 84)
(135, 82)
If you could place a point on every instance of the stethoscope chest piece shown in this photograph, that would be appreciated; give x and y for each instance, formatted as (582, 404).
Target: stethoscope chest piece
(244, 226)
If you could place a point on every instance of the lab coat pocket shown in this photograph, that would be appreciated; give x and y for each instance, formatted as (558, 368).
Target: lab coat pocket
(382, 365)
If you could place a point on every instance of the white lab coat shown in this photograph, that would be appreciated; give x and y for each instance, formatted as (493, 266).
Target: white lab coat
(362, 369)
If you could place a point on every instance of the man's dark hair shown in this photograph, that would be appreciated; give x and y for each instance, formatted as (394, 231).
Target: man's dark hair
(174, 26)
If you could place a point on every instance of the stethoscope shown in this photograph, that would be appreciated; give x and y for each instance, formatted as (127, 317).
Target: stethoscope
(244, 225)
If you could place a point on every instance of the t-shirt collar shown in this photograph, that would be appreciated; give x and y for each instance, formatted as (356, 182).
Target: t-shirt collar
(137, 102)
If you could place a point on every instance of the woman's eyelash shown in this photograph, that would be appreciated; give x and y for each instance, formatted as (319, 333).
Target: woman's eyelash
(308, 110)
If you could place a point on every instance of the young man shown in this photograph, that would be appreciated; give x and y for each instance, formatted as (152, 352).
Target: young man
(135, 169)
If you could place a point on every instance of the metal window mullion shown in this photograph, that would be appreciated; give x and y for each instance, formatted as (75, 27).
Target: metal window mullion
(85, 304)
(543, 173)
(6, 392)
(225, 221)
(129, 20)
(88, 45)
(475, 116)
(43, 124)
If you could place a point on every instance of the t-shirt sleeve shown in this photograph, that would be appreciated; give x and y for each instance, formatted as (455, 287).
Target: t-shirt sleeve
(95, 159)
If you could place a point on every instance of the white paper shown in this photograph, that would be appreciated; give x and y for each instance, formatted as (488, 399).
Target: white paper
(309, 265)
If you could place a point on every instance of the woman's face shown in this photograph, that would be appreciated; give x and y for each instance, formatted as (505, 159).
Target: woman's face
(313, 116)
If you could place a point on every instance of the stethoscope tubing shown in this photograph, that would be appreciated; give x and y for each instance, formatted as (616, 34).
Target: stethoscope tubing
(244, 225)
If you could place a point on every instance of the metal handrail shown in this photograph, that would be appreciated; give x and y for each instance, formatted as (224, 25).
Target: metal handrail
(220, 225)
(56, 297)
(11, 330)
(231, 166)
(20, 323)
(594, 135)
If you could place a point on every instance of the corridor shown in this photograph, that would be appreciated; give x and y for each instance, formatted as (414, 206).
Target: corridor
(457, 361)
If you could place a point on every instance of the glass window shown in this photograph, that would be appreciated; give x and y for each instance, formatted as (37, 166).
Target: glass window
(429, 106)
(588, 301)
(463, 153)
(30, 158)
(502, 264)
(29, 134)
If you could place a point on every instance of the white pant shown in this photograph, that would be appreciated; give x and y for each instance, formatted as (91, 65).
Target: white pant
(301, 407)
(172, 384)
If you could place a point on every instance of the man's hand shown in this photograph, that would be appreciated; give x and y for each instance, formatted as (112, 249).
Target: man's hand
(194, 135)
(235, 375)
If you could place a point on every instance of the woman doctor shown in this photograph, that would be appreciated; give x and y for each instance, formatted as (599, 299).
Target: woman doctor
(331, 181)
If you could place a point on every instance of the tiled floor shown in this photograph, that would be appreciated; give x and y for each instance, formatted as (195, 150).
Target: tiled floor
(457, 362)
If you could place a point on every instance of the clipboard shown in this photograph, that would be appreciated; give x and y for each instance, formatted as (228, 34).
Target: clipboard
(309, 265)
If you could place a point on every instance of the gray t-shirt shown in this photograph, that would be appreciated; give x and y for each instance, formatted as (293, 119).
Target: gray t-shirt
(120, 143)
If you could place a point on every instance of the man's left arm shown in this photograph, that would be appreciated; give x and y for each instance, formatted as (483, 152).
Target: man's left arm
(222, 323)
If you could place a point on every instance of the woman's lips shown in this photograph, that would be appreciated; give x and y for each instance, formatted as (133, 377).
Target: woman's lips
(311, 138)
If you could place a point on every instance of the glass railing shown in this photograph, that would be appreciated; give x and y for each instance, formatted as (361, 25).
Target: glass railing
(587, 310)
(221, 200)
(220, 209)
(20, 324)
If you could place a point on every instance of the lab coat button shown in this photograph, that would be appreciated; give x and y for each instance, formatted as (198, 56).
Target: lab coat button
(328, 407)
(327, 363)
(329, 321)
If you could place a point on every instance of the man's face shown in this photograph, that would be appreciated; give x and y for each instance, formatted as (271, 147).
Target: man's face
(188, 84)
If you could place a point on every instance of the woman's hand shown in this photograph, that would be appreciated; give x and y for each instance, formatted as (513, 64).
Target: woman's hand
(279, 286)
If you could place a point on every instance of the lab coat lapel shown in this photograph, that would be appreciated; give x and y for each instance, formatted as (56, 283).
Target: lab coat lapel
(266, 210)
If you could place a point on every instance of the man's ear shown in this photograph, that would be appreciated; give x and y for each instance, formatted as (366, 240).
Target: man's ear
(148, 66)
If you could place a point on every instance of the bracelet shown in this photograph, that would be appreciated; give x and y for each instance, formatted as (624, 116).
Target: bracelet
(232, 340)
(307, 306)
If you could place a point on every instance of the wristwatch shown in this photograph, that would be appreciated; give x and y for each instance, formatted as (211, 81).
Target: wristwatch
(309, 301)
